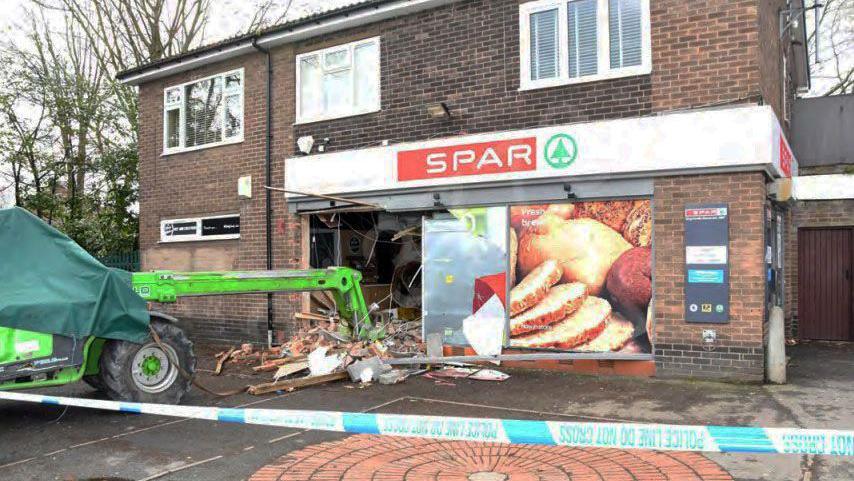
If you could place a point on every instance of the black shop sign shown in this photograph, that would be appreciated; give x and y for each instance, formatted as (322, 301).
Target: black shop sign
(218, 226)
(707, 263)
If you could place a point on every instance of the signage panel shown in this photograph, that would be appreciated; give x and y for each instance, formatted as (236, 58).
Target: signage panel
(706, 265)
(737, 137)
(516, 155)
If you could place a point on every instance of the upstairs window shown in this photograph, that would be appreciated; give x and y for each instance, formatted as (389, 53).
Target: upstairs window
(339, 81)
(203, 113)
(573, 41)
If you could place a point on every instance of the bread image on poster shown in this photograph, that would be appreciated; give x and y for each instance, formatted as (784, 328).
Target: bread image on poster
(582, 276)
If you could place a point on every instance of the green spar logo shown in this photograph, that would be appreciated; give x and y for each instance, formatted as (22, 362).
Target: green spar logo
(560, 151)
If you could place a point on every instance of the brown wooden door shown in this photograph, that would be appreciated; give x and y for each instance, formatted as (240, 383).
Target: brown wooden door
(825, 285)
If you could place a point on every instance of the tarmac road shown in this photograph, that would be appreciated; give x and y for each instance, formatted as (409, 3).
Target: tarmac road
(40, 442)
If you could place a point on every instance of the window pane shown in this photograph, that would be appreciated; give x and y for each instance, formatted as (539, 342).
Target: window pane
(173, 135)
(233, 81)
(173, 95)
(624, 20)
(233, 116)
(336, 59)
(582, 38)
(204, 112)
(366, 62)
(311, 88)
(544, 45)
(338, 92)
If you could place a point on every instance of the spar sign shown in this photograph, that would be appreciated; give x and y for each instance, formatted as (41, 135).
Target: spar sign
(514, 155)
(482, 158)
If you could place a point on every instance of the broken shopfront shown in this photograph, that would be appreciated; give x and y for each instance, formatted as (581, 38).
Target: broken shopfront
(566, 244)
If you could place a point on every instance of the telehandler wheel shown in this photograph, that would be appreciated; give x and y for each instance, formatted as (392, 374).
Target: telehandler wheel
(145, 372)
(95, 381)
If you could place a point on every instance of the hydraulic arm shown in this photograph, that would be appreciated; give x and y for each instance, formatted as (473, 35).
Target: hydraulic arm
(341, 282)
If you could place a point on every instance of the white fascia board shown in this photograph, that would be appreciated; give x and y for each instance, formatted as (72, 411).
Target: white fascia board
(823, 187)
(701, 141)
(190, 63)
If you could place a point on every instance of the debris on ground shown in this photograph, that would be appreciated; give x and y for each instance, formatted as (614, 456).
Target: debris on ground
(292, 384)
(394, 376)
(320, 353)
(319, 363)
(489, 375)
(478, 374)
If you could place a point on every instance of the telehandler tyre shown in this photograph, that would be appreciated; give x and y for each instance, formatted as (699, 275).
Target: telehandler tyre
(145, 372)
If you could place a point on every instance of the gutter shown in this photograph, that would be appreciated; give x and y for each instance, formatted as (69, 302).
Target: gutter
(268, 180)
(301, 29)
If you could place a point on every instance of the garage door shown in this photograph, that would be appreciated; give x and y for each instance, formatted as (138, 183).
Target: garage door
(825, 286)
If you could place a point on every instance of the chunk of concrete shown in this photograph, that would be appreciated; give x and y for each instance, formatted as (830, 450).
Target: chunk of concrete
(394, 376)
(359, 368)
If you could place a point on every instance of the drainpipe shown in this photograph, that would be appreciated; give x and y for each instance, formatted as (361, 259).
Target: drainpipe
(268, 168)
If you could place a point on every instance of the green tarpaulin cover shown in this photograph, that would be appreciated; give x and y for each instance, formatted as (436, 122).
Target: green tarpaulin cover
(50, 284)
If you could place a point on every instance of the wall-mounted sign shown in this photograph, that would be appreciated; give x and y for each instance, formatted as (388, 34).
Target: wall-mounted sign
(220, 226)
(732, 138)
(514, 155)
(200, 228)
(706, 265)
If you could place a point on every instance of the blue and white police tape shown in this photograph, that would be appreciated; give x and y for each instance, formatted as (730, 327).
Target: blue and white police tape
(663, 437)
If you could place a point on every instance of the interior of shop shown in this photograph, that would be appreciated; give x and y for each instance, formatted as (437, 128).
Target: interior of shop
(385, 247)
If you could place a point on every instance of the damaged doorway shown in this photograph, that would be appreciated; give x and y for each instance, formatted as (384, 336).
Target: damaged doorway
(386, 248)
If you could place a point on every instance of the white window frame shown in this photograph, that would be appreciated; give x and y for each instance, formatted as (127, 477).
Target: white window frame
(604, 70)
(351, 47)
(198, 236)
(182, 116)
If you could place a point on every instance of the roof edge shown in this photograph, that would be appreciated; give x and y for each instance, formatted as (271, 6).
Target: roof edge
(322, 23)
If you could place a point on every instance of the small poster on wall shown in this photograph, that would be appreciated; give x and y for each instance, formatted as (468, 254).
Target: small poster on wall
(581, 276)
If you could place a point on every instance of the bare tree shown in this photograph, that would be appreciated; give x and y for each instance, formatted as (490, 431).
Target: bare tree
(835, 74)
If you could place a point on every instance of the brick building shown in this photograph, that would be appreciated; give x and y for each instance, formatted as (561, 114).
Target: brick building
(584, 116)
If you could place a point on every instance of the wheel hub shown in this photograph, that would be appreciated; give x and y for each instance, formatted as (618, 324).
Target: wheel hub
(151, 366)
(151, 369)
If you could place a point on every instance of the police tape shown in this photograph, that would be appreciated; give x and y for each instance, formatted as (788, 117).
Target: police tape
(659, 437)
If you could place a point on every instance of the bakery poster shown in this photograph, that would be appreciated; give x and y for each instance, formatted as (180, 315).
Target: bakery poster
(465, 277)
(581, 276)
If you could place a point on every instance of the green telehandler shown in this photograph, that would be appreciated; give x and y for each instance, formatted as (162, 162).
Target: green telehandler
(49, 336)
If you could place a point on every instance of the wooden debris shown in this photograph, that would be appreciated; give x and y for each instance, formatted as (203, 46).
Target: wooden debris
(221, 358)
(291, 384)
(288, 369)
(276, 363)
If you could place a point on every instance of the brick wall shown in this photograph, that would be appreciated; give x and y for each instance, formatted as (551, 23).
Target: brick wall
(204, 182)
(679, 350)
(816, 213)
(467, 55)
(703, 52)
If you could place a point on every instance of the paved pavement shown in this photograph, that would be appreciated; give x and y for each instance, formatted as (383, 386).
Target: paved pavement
(46, 442)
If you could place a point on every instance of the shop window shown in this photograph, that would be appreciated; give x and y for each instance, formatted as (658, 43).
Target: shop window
(218, 227)
(564, 42)
(203, 113)
(339, 81)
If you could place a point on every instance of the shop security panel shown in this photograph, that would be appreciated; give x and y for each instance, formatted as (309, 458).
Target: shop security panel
(707, 263)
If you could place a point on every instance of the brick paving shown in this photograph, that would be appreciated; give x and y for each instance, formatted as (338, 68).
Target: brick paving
(382, 458)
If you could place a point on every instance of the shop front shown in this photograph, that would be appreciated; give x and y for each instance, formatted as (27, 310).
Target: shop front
(630, 246)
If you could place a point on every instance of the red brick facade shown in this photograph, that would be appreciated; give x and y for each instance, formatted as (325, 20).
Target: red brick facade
(467, 55)
(679, 348)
